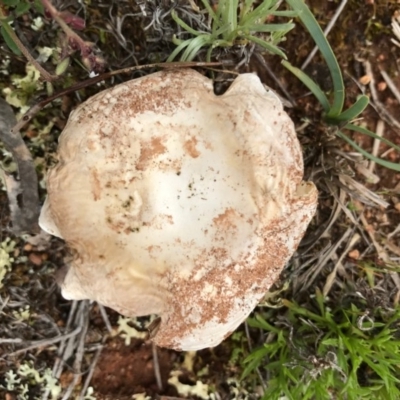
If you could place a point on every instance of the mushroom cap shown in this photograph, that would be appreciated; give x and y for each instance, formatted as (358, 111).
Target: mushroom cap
(179, 202)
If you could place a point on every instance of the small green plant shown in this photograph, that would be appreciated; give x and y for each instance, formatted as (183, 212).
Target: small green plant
(323, 353)
(333, 112)
(70, 43)
(235, 22)
(18, 7)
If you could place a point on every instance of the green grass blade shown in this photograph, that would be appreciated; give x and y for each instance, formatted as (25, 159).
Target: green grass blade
(288, 13)
(307, 81)
(220, 31)
(246, 6)
(5, 28)
(271, 48)
(231, 16)
(271, 27)
(181, 46)
(317, 34)
(259, 322)
(194, 47)
(177, 41)
(355, 110)
(261, 12)
(253, 360)
(221, 43)
(209, 9)
(377, 160)
(183, 25)
(367, 132)
(208, 54)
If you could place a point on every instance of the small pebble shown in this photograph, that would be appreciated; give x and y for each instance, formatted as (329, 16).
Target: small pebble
(381, 86)
(35, 259)
(354, 254)
(365, 80)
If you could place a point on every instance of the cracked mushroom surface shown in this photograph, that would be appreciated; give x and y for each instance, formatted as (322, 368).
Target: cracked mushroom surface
(179, 202)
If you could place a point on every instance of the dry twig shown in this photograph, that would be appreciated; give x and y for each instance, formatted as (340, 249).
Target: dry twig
(91, 371)
(309, 277)
(391, 85)
(156, 365)
(377, 104)
(83, 314)
(45, 342)
(380, 129)
(23, 195)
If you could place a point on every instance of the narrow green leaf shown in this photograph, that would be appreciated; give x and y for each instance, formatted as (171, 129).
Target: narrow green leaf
(291, 376)
(181, 46)
(317, 34)
(256, 354)
(330, 342)
(259, 13)
(194, 47)
(246, 6)
(271, 48)
(177, 41)
(367, 132)
(8, 39)
(320, 298)
(288, 13)
(302, 311)
(22, 8)
(209, 9)
(208, 54)
(221, 43)
(220, 31)
(183, 25)
(307, 81)
(271, 27)
(49, 88)
(231, 15)
(259, 322)
(380, 161)
(62, 66)
(253, 361)
(379, 370)
(351, 113)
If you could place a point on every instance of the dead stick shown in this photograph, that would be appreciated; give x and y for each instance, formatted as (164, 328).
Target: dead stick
(23, 195)
(46, 342)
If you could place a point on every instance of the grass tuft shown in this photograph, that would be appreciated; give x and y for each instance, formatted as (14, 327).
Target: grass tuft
(320, 352)
(234, 23)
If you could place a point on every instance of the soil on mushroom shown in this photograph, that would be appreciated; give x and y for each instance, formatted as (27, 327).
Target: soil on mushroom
(362, 32)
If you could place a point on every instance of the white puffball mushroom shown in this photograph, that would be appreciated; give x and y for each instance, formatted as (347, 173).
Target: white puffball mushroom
(179, 202)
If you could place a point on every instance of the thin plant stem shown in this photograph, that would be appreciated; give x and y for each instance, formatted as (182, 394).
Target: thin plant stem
(63, 25)
(45, 75)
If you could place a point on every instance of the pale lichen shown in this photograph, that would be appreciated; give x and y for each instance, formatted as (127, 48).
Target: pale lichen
(26, 377)
(46, 379)
(127, 332)
(200, 389)
(6, 248)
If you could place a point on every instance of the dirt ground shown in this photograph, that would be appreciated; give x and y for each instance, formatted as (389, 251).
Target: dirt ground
(118, 367)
